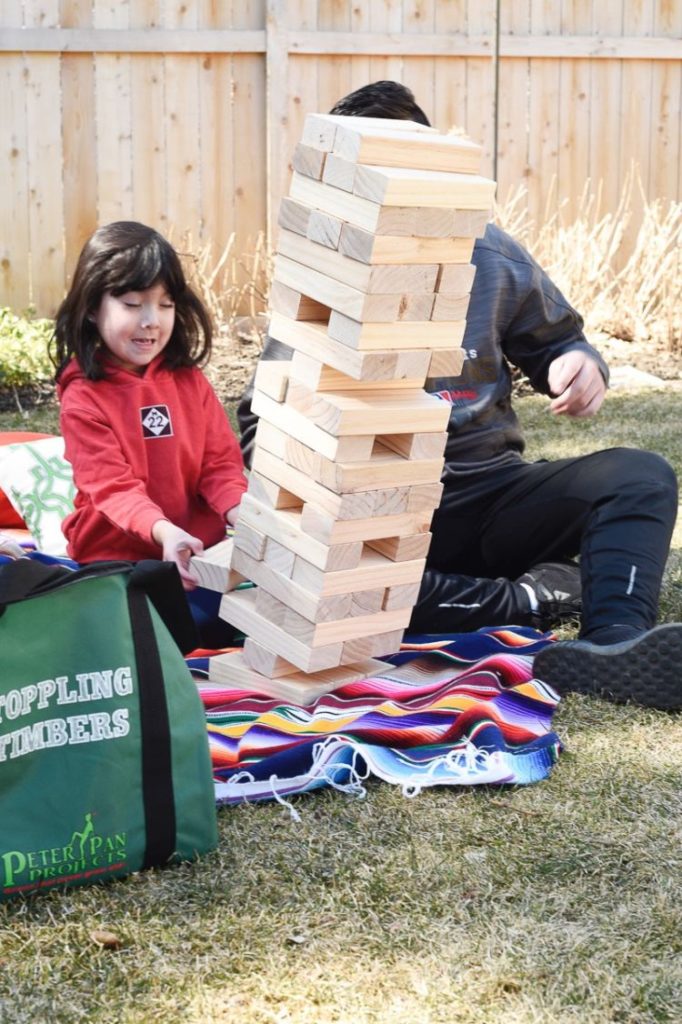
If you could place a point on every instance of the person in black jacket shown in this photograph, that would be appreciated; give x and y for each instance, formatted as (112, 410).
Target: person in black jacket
(507, 531)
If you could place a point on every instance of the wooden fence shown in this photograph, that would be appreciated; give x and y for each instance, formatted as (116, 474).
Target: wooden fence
(184, 113)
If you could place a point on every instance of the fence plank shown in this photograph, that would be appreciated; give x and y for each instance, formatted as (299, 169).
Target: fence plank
(114, 132)
(79, 137)
(512, 141)
(43, 123)
(15, 278)
(148, 123)
(573, 111)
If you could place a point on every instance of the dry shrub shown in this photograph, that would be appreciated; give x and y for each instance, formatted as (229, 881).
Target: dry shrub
(234, 287)
(632, 295)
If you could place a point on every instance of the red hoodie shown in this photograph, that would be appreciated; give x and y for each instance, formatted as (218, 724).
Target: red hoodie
(144, 448)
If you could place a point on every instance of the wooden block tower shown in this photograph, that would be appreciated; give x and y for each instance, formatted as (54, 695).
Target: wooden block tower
(370, 290)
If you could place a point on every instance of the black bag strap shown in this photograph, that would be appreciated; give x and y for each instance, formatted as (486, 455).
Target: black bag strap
(28, 577)
(157, 771)
(162, 583)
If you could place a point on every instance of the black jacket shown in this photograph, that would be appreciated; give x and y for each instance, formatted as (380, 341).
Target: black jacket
(516, 316)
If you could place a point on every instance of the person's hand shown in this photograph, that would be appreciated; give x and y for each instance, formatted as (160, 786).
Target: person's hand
(232, 515)
(577, 384)
(178, 546)
(10, 548)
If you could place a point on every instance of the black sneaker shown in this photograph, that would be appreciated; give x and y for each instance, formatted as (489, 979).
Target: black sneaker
(558, 592)
(646, 670)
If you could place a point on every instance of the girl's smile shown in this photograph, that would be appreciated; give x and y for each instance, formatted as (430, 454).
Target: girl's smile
(136, 326)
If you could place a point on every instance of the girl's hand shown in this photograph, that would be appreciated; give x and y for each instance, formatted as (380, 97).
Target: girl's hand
(232, 515)
(178, 546)
(10, 548)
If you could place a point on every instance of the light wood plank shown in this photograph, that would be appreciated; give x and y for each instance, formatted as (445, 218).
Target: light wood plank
(340, 413)
(375, 570)
(419, 150)
(368, 247)
(368, 337)
(397, 186)
(284, 525)
(328, 530)
(293, 421)
(368, 278)
(295, 687)
(212, 570)
(239, 609)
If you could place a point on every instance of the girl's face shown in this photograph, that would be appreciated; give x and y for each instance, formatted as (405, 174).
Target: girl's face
(136, 326)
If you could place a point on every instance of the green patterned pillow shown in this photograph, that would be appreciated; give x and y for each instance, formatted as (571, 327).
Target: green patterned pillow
(38, 481)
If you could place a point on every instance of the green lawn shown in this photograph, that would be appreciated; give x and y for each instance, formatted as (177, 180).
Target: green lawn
(554, 903)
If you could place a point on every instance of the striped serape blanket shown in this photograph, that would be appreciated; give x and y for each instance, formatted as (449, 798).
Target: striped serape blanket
(458, 709)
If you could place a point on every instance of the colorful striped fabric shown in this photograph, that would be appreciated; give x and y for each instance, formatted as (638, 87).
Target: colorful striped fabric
(449, 710)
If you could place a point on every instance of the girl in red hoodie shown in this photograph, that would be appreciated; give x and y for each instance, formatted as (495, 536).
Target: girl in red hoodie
(157, 468)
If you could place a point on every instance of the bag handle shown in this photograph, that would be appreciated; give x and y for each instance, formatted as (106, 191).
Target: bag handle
(157, 771)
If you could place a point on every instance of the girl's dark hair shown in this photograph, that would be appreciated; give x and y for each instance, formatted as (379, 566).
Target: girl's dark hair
(382, 99)
(122, 257)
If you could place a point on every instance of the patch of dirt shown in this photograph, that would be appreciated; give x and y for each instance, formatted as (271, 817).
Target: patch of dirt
(236, 350)
(647, 356)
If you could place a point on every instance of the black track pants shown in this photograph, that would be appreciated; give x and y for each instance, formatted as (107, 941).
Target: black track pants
(615, 508)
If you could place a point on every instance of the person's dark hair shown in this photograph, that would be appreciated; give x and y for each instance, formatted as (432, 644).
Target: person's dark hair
(381, 99)
(122, 257)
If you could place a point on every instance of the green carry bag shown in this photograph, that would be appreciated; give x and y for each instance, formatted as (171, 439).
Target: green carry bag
(104, 761)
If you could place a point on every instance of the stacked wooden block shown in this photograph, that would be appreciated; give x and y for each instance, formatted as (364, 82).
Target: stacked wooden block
(370, 289)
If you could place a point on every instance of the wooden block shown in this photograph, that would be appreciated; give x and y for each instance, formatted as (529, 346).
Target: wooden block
(415, 446)
(424, 498)
(434, 222)
(278, 557)
(271, 494)
(317, 376)
(328, 609)
(320, 129)
(212, 569)
(323, 633)
(296, 424)
(272, 378)
(301, 456)
(347, 207)
(265, 662)
(248, 540)
(339, 172)
(308, 160)
(312, 606)
(360, 505)
(285, 526)
(324, 229)
(345, 412)
(455, 280)
(239, 609)
(415, 308)
(329, 530)
(374, 571)
(402, 549)
(295, 304)
(403, 596)
(294, 687)
(294, 216)
(449, 308)
(368, 247)
(367, 602)
(366, 337)
(395, 148)
(385, 468)
(446, 363)
(336, 294)
(400, 186)
(369, 278)
(372, 646)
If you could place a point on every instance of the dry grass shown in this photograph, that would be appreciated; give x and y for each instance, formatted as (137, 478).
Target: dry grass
(635, 296)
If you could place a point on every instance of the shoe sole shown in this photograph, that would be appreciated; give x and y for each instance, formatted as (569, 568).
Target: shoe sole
(646, 670)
